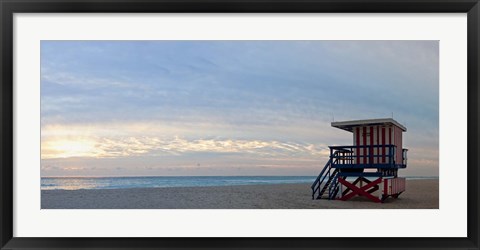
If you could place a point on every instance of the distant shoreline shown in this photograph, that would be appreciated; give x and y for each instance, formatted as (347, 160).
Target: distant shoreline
(420, 194)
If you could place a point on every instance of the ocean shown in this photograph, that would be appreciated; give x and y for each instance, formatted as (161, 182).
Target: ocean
(75, 183)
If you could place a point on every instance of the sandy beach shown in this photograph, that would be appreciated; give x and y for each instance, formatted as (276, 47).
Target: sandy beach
(419, 194)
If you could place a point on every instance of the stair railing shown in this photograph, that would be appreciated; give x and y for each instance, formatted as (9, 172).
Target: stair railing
(317, 184)
(334, 187)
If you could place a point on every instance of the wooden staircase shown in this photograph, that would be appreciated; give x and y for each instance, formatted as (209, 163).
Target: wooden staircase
(326, 180)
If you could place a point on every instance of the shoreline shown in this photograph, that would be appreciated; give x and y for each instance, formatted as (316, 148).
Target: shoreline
(420, 194)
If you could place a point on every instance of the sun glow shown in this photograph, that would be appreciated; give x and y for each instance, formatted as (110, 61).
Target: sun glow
(69, 148)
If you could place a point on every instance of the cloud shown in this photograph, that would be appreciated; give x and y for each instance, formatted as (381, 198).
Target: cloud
(300, 130)
(135, 146)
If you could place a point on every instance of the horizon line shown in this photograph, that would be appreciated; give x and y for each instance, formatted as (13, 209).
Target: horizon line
(142, 176)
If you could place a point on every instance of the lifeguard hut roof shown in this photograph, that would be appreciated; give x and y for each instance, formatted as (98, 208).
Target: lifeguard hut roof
(349, 125)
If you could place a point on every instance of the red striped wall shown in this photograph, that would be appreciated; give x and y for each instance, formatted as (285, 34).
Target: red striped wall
(394, 185)
(377, 135)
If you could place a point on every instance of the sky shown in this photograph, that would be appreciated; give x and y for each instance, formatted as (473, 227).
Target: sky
(176, 108)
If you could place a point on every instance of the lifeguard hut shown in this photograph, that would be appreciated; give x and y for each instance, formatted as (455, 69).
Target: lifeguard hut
(369, 165)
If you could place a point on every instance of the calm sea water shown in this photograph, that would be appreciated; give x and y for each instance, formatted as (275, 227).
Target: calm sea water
(73, 183)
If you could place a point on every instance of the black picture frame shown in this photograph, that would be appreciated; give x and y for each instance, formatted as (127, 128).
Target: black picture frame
(10, 7)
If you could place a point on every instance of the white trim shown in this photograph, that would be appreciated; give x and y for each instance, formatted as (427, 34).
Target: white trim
(347, 125)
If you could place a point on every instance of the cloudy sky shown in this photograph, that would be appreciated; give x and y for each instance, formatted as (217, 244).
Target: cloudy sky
(141, 108)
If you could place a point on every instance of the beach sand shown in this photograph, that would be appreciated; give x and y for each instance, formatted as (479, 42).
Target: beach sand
(419, 194)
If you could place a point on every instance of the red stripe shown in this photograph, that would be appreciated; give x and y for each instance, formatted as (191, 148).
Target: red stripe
(383, 143)
(390, 137)
(357, 144)
(378, 142)
(385, 187)
(371, 145)
(364, 144)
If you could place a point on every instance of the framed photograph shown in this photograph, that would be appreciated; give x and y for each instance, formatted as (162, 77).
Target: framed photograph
(253, 125)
